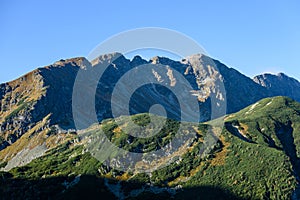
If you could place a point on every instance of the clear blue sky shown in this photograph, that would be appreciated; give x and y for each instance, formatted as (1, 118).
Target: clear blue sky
(252, 36)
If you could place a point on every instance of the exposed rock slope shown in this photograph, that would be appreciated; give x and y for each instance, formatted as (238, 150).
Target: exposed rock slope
(280, 85)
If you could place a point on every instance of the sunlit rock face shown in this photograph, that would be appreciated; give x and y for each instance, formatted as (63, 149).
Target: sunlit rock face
(280, 85)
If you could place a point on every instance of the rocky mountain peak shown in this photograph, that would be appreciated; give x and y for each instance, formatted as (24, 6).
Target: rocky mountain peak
(197, 59)
(269, 76)
(108, 58)
(81, 62)
(281, 74)
(138, 60)
(280, 84)
(161, 60)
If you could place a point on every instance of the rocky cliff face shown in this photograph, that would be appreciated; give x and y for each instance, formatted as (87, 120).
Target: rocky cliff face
(280, 85)
(32, 106)
(241, 91)
(18, 100)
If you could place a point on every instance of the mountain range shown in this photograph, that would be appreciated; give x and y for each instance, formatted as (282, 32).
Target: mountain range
(256, 155)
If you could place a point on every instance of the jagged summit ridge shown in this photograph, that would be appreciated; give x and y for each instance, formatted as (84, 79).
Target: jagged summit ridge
(107, 58)
(78, 61)
(280, 85)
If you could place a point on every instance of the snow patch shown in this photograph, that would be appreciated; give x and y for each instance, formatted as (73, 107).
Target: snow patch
(240, 132)
(270, 102)
(251, 108)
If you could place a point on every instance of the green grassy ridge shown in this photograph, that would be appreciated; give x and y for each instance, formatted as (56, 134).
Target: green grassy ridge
(251, 170)
(271, 121)
(277, 107)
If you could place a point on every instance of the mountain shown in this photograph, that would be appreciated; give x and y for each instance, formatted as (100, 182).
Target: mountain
(38, 100)
(280, 84)
(39, 132)
(45, 95)
(256, 157)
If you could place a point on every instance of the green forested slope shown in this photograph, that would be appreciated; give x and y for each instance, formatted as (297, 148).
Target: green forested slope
(255, 157)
